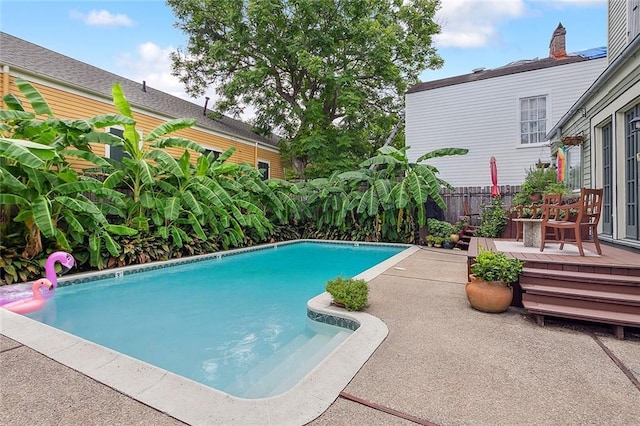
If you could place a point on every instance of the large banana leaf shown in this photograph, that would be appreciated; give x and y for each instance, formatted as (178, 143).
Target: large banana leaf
(37, 101)
(170, 127)
(112, 247)
(26, 153)
(177, 142)
(191, 203)
(8, 181)
(144, 170)
(41, 212)
(87, 156)
(195, 224)
(167, 161)
(106, 120)
(75, 187)
(369, 202)
(172, 208)
(417, 188)
(120, 230)
(72, 221)
(400, 195)
(8, 199)
(11, 115)
(442, 152)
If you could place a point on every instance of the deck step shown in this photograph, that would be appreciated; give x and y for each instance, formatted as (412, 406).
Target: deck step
(600, 304)
(600, 295)
(464, 245)
(625, 277)
(586, 277)
(627, 319)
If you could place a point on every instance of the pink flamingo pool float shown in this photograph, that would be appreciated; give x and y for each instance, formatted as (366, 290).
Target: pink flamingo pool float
(17, 292)
(33, 303)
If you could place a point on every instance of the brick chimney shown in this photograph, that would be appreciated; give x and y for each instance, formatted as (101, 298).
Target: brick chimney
(557, 46)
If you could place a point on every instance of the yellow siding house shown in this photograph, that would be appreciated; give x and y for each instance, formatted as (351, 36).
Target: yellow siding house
(74, 89)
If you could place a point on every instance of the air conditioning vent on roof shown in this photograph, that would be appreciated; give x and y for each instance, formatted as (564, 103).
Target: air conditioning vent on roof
(477, 70)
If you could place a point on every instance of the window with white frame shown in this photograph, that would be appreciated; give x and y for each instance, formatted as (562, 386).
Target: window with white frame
(533, 119)
(118, 152)
(115, 152)
(263, 168)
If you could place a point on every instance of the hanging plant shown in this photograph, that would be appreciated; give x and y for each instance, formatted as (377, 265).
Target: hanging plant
(572, 140)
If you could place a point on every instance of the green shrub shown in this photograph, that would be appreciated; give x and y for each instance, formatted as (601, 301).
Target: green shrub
(494, 219)
(439, 228)
(491, 265)
(351, 293)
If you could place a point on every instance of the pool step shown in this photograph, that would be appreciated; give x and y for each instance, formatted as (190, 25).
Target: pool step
(255, 374)
(294, 376)
(285, 368)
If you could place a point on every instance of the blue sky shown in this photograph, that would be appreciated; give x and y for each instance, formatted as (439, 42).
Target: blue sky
(133, 38)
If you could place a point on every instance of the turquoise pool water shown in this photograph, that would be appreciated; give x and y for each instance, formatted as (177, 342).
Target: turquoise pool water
(237, 323)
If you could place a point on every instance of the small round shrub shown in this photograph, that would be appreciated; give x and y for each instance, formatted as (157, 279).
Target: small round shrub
(351, 293)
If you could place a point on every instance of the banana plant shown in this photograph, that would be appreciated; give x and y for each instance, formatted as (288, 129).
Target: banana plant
(40, 190)
(145, 162)
(413, 183)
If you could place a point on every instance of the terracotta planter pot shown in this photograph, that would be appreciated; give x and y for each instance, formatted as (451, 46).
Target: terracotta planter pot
(489, 296)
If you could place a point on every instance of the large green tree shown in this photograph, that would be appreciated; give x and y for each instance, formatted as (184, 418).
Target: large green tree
(325, 74)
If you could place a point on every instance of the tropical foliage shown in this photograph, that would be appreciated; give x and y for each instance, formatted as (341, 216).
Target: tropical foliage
(156, 206)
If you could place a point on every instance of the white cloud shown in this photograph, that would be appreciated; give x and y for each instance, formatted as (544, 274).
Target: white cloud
(152, 64)
(473, 23)
(102, 18)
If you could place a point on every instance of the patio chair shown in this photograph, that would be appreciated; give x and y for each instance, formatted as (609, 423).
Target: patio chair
(580, 216)
(474, 218)
(537, 212)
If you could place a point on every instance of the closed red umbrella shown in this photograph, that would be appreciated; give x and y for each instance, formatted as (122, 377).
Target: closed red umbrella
(495, 191)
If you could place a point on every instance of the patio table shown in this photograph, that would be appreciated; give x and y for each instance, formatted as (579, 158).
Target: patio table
(531, 231)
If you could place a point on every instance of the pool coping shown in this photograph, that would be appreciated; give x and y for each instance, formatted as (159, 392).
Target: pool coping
(196, 403)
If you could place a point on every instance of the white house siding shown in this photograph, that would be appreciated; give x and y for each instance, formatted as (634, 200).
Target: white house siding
(617, 23)
(483, 116)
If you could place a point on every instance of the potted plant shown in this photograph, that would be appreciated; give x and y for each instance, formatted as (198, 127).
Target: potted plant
(430, 239)
(536, 183)
(492, 273)
(437, 241)
(348, 293)
(448, 243)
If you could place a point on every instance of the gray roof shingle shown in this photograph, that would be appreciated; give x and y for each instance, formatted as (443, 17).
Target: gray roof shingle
(30, 57)
(517, 67)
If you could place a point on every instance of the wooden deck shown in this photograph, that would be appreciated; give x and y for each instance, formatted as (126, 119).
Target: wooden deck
(601, 289)
(614, 260)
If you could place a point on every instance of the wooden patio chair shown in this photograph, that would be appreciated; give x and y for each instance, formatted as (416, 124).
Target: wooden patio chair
(537, 212)
(474, 218)
(584, 214)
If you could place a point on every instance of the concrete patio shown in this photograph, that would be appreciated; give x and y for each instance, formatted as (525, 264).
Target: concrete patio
(442, 363)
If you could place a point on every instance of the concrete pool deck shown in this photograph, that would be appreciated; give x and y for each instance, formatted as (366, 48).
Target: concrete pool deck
(442, 362)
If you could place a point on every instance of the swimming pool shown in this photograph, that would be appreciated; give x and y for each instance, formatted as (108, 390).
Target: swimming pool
(195, 403)
(236, 323)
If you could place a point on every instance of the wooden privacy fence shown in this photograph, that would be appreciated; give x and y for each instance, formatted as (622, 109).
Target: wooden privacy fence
(475, 196)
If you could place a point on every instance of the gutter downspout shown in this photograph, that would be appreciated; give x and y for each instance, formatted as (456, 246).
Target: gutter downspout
(255, 155)
(595, 87)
